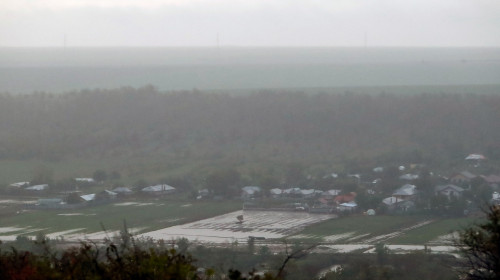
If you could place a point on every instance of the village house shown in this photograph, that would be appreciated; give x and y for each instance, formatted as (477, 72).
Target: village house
(40, 187)
(295, 192)
(391, 201)
(250, 192)
(85, 180)
(88, 197)
(347, 207)
(275, 193)
(395, 203)
(105, 195)
(350, 197)
(102, 196)
(464, 177)
(330, 194)
(292, 192)
(475, 159)
(310, 193)
(20, 184)
(204, 193)
(122, 191)
(492, 180)
(406, 192)
(449, 191)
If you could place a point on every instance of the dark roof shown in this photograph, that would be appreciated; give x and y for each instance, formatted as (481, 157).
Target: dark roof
(492, 179)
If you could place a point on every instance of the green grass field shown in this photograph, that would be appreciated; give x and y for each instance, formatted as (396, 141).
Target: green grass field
(23, 170)
(153, 170)
(434, 230)
(373, 226)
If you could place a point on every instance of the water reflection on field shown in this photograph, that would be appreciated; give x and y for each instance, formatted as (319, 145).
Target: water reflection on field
(226, 228)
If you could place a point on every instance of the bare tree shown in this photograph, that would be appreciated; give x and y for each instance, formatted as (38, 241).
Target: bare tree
(296, 254)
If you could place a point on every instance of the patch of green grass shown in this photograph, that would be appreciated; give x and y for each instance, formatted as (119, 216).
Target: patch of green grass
(373, 225)
(432, 231)
(158, 214)
(131, 169)
(381, 225)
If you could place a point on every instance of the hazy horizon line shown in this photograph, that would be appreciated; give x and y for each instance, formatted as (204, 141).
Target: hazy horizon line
(243, 46)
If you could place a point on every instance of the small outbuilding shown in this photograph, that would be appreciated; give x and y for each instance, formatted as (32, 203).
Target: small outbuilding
(88, 197)
(38, 187)
(348, 206)
(85, 180)
(475, 157)
(20, 184)
(159, 189)
(122, 190)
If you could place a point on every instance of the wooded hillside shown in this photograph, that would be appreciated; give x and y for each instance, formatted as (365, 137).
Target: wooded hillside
(261, 126)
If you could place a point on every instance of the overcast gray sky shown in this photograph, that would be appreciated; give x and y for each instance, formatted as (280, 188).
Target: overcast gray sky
(250, 22)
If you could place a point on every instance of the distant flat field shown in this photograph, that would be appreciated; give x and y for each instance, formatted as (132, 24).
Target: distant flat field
(130, 168)
(141, 215)
(226, 228)
(216, 222)
(387, 229)
(12, 171)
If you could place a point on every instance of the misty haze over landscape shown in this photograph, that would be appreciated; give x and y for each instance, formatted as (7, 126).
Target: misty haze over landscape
(166, 139)
(242, 68)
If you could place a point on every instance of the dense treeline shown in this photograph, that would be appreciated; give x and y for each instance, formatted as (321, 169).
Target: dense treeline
(148, 259)
(267, 125)
(122, 258)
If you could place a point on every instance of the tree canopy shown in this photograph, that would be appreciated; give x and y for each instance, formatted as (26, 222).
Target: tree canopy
(480, 244)
(288, 126)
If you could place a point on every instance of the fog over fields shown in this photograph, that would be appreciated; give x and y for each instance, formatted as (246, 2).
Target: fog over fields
(60, 70)
(249, 139)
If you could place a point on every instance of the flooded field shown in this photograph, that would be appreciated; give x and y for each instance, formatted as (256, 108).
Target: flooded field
(219, 229)
(226, 228)
(397, 249)
(171, 221)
